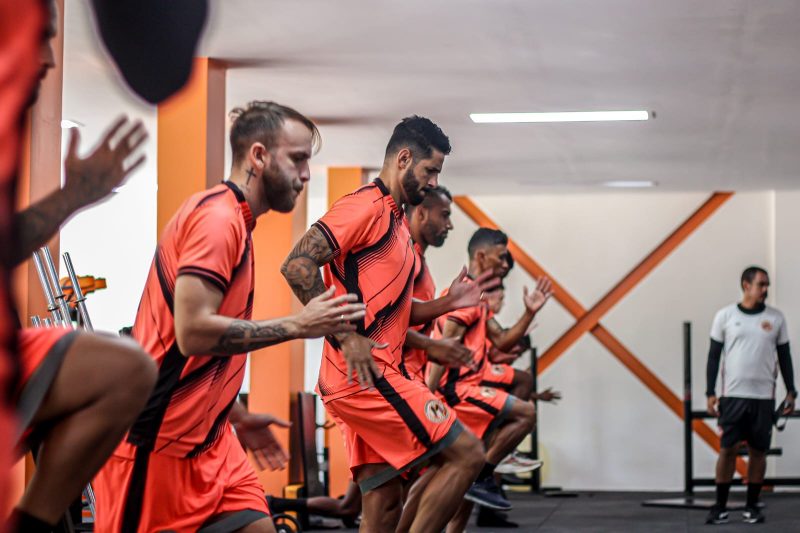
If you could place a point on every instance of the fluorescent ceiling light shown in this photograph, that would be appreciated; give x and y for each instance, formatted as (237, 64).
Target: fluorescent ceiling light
(630, 184)
(566, 116)
(67, 124)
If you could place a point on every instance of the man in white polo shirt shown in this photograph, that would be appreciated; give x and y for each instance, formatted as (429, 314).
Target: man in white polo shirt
(750, 334)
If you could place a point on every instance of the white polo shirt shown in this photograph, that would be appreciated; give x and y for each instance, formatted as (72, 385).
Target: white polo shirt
(749, 360)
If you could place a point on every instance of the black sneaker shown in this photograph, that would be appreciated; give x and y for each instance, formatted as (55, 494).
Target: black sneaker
(491, 518)
(487, 493)
(717, 515)
(752, 515)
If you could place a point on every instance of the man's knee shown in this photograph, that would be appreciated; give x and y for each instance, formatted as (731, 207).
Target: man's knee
(525, 412)
(467, 452)
(132, 373)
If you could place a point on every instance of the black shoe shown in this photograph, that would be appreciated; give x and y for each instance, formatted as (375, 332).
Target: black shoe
(717, 515)
(487, 493)
(491, 518)
(753, 515)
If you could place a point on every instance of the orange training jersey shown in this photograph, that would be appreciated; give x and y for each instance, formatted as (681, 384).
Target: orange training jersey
(474, 319)
(424, 290)
(373, 258)
(209, 237)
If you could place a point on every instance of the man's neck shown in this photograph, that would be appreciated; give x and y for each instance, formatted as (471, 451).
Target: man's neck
(392, 180)
(474, 270)
(751, 304)
(419, 240)
(250, 187)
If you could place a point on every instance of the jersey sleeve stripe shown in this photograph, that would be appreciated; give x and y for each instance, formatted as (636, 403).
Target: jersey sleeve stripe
(329, 236)
(212, 277)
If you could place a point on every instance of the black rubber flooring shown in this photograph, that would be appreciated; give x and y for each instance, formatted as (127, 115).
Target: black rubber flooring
(602, 512)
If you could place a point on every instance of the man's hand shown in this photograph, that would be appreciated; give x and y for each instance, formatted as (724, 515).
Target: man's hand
(536, 299)
(548, 395)
(325, 315)
(357, 352)
(91, 179)
(712, 405)
(465, 292)
(255, 435)
(450, 352)
(505, 358)
(788, 404)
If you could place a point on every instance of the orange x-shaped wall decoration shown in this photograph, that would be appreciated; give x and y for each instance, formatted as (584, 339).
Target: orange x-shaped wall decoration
(589, 320)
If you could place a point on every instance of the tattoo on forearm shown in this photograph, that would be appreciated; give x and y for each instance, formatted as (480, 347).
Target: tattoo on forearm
(244, 335)
(301, 268)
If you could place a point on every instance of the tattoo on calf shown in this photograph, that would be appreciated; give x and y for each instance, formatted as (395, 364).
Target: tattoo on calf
(301, 268)
(243, 336)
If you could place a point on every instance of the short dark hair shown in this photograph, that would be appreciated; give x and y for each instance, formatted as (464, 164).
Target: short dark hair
(749, 274)
(485, 237)
(260, 121)
(420, 135)
(432, 194)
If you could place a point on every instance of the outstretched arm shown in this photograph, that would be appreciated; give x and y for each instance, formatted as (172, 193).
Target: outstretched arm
(505, 339)
(463, 292)
(200, 329)
(88, 180)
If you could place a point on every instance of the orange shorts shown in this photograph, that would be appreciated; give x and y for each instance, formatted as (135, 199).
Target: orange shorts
(399, 422)
(498, 375)
(137, 491)
(41, 352)
(481, 409)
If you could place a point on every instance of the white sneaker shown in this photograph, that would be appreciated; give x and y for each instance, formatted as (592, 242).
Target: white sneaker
(517, 464)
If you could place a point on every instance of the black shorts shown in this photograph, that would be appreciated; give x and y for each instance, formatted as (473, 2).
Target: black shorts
(746, 419)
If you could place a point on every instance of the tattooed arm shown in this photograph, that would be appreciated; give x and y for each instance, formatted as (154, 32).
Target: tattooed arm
(88, 180)
(201, 330)
(301, 267)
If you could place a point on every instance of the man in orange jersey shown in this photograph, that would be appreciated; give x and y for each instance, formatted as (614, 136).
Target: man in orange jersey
(69, 396)
(180, 467)
(486, 409)
(390, 423)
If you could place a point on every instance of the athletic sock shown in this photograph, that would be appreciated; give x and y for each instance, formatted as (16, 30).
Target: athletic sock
(30, 524)
(487, 472)
(722, 494)
(281, 505)
(753, 492)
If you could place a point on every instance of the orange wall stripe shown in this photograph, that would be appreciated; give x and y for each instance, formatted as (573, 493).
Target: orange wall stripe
(341, 181)
(191, 137)
(635, 276)
(617, 349)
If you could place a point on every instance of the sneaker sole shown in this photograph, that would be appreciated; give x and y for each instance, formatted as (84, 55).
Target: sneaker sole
(518, 469)
(484, 503)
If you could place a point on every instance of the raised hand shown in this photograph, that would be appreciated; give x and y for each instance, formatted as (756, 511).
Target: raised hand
(94, 177)
(450, 352)
(465, 292)
(548, 395)
(326, 315)
(255, 435)
(536, 299)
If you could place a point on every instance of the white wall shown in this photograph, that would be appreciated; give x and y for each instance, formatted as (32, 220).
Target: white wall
(116, 239)
(610, 431)
(786, 294)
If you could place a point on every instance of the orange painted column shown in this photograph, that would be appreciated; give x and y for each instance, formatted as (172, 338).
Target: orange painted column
(191, 138)
(341, 181)
(40, 174)
(277, 372)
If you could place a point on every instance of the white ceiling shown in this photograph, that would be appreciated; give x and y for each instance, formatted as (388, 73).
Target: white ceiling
(722, 76)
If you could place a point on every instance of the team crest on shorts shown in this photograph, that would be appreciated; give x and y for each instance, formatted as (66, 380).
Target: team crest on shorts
(766, 325)
(488, 392)
(436, 411)
(498, 370)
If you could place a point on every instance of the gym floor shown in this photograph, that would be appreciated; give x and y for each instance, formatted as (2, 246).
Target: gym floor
(606, 512)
